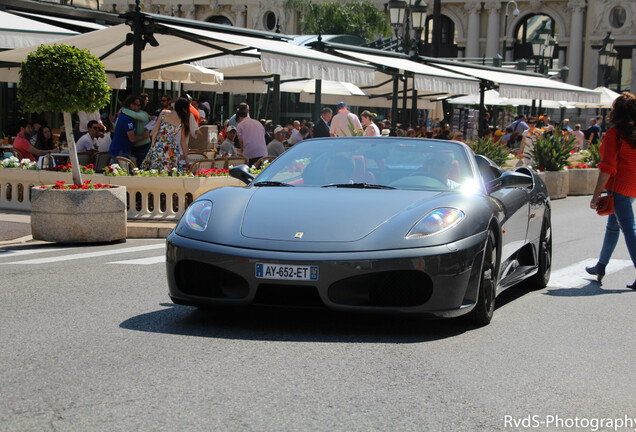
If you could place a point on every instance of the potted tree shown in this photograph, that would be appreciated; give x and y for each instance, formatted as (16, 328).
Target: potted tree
(61, 78)
(551, 153)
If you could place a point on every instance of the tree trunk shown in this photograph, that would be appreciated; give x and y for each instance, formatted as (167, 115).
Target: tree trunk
(72, 149)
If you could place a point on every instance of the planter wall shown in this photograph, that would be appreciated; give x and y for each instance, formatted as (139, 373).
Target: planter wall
(582, 181)
(78, 216)
(148, 198)
(557, 182)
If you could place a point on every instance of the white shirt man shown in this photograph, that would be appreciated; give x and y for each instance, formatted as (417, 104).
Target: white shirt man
(342, 122)
(88, 141)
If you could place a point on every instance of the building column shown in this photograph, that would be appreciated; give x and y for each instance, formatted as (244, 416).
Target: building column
(494, 18)
(239, 10)
(474, 32)
(575, 51)
(189, 11)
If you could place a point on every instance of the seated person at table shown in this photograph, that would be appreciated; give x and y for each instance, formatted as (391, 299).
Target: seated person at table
(22, 145)
(275, 146)
(227, 147)
(88, 141)
(44, 139)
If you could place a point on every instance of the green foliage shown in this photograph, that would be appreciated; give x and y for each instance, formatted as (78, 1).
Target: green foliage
(358, 17)
(492, 150)
(552, 151)
(593, 158)
(61, 78)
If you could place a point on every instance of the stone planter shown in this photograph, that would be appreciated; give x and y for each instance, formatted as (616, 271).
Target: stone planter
(557, 182)
(149, 198)
(78, 216)
(582, 181)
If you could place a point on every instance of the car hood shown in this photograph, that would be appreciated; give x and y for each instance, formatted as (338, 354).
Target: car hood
(323, 215)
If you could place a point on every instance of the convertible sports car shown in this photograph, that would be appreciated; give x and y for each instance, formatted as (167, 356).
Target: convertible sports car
(390, 225)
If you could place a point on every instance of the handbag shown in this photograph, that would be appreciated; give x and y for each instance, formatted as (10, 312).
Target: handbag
(605, 204)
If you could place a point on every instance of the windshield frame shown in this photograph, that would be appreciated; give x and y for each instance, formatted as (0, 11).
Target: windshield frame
(383, 160)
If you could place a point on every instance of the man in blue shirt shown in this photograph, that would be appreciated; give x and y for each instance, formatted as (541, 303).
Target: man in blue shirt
(593, 133)
(124, 136)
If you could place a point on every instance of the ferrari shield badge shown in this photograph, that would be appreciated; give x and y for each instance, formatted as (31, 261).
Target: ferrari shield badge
(299, 235)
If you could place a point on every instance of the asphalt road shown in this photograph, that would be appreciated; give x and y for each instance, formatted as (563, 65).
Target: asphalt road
(89, 343)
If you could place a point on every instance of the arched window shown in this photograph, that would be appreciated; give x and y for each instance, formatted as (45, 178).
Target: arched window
(448, 34)
(219, 19)
(530, 28)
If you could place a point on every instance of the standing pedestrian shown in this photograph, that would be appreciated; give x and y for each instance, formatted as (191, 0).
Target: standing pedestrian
(321, 129)
(251, 136)
(370, 128)
(617, 172)
(345, 123)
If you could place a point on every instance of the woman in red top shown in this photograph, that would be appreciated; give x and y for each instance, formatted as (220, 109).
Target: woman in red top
(617, 172)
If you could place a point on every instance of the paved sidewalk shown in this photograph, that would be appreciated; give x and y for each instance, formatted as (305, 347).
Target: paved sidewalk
(15, 228)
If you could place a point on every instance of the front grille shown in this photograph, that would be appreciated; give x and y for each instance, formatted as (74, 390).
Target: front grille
(206, 280)
(400, 288)
(288, 295)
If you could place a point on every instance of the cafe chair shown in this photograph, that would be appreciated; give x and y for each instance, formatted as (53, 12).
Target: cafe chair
(126, 164)
(84, 158)
(194, 156)
(101, 161)
(208, 164)
(263, 161)
(234, 161)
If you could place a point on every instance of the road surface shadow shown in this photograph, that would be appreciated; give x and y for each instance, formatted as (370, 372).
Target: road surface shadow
(294, 325)
(302, 325)
(592, 288)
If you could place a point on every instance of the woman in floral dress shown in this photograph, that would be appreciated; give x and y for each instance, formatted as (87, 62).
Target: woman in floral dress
(165, 150)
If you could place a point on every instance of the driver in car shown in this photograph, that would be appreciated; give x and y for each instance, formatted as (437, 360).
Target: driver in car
(338, 170)
(438, 166)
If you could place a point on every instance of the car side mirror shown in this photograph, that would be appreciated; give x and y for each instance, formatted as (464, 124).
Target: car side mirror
(509, 179)
(242, 172)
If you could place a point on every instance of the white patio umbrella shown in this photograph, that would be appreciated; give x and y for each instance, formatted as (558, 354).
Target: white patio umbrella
(607, 99)
(185, 73)
(328, 87)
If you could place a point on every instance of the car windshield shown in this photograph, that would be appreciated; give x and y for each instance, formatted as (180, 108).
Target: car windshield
(391, 163)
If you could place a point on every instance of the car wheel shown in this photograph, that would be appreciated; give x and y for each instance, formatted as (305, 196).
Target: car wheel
(544, 260)
(485, 307)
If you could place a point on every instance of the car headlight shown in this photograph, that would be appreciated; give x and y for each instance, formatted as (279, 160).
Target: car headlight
(197, 215)
(436, 221)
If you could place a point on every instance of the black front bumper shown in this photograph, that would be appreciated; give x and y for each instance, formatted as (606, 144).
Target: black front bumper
(440, 281)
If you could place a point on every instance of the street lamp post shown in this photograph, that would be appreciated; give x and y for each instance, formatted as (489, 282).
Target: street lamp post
(406, 15)
(515, 13)
(607, 57)
(543, 48)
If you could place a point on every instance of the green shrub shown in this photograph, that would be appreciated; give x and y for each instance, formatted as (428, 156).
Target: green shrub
(552, 151)
(492, 150)
(594, 156)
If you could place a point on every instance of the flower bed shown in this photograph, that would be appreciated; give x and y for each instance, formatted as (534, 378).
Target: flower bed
(148, 197)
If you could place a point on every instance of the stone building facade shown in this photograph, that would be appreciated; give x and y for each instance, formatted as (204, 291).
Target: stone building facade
(471, 28)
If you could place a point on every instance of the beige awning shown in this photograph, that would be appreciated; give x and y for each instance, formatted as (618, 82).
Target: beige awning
(427, 78)
(518, 85)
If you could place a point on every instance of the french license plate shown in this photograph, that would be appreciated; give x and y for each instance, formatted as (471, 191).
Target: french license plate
(286, 272)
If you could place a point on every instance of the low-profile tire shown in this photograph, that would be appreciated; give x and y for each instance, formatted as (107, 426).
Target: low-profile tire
(485, 307)
(544, 259)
